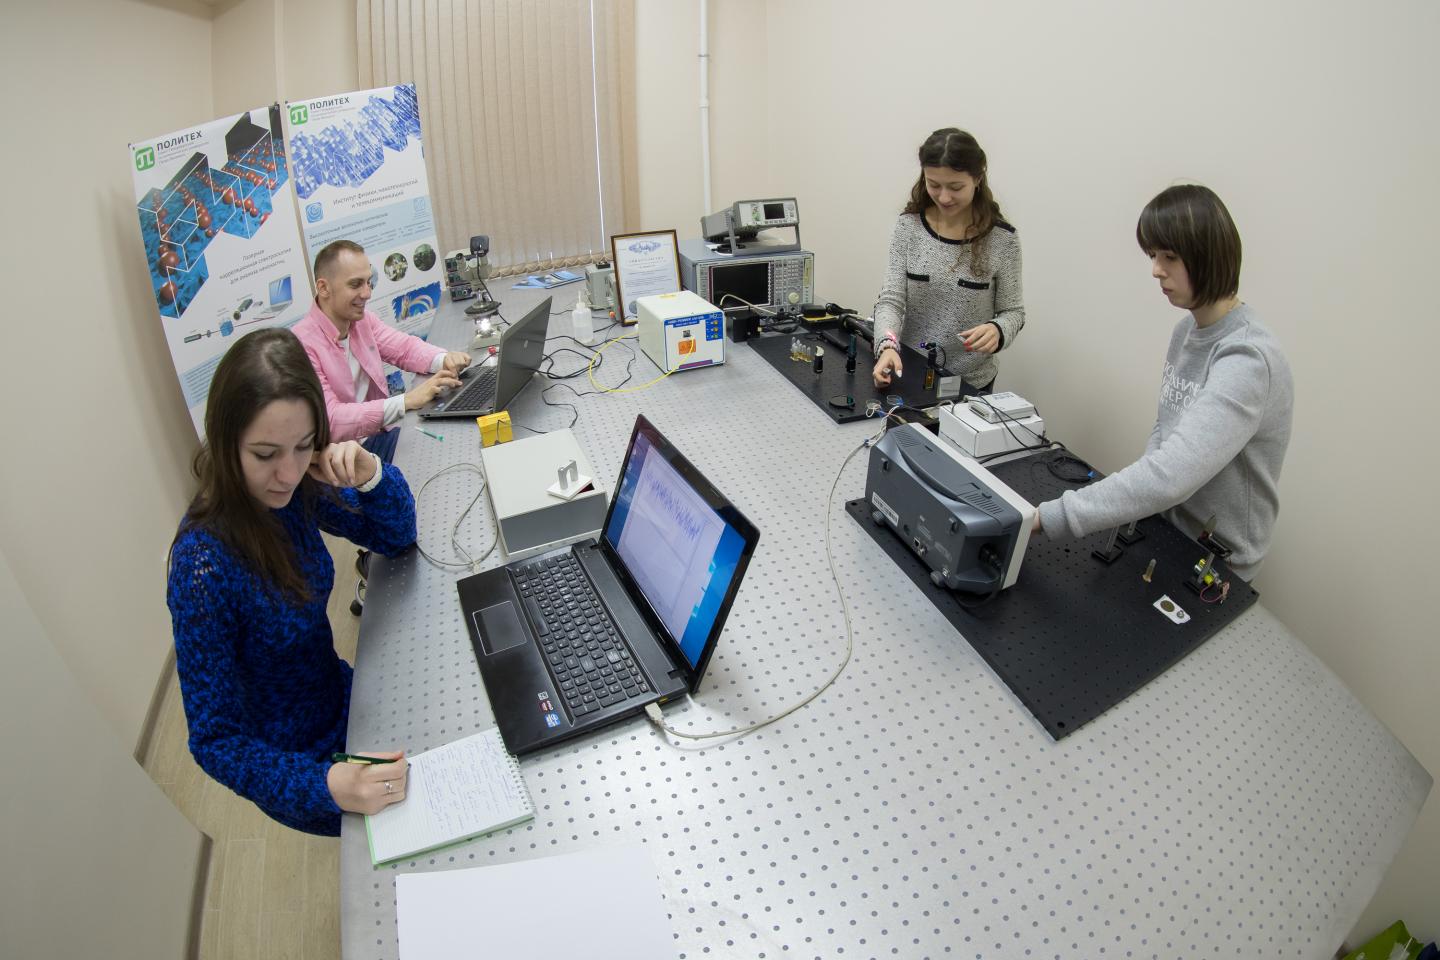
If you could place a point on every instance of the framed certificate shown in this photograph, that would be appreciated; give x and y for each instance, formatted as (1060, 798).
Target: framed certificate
(645, 264)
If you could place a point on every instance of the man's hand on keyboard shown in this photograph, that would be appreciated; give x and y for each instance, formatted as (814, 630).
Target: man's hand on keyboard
(422, 393)
(455, 361)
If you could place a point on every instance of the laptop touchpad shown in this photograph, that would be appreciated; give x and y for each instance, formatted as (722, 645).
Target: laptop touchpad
(500, 628)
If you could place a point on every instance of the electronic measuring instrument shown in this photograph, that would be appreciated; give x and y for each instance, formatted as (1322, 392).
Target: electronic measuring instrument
(967, 526)
(744, 219)
(680, 331)
(767, 280)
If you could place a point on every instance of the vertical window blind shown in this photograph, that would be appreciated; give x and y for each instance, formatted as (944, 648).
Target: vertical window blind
(527, 110)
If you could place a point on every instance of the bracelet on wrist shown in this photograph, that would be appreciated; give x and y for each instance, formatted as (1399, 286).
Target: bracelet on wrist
(375, 477)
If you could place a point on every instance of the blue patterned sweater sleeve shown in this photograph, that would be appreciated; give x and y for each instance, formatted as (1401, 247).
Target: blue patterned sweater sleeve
(382, 520)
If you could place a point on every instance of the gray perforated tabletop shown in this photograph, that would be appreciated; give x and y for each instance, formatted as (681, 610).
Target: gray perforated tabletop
(1242, 804)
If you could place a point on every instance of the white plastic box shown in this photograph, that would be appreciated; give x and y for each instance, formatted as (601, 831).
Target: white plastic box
(680, 331)
(518, 475)
(975, 436)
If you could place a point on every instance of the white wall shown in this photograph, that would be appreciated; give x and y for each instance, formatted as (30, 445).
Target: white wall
(98, 863)
(93, 482)
(1314, 121)
(667, 36)
(245, 55)
(94, 486)
(317, 54)
(268, 50)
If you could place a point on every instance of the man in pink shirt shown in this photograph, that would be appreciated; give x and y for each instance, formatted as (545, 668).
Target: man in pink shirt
(347, 344)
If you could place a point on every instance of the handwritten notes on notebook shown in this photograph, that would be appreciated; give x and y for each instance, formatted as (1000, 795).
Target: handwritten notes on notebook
(459, 791)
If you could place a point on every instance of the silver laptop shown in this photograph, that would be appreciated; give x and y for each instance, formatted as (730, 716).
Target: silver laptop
(489, 388)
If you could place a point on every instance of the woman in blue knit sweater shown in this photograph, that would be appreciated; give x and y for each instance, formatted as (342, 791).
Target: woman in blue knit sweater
(266, 697)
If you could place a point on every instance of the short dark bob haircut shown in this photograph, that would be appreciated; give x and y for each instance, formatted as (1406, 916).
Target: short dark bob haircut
(1191, 222)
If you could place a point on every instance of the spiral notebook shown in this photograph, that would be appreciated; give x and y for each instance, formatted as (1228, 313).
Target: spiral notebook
(462, 790)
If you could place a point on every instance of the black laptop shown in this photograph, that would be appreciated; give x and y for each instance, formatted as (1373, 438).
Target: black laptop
(581, 637)
(489, 388)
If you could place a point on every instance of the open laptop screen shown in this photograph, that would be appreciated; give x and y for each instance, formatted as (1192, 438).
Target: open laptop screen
(682, 544)
(522, 350)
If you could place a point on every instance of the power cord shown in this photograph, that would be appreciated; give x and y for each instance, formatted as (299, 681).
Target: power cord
(590, 371)
(763, 311)
(991, 559)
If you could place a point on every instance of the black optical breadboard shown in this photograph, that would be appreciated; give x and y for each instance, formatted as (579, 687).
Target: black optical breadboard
(1075, 636)
(834, 381)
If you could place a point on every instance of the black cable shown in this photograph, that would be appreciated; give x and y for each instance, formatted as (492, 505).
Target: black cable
(992, 560)
(1006, 419)
(549, 371)
(629, 364)
(574, 410)
(1064, 457)
(1047, 445)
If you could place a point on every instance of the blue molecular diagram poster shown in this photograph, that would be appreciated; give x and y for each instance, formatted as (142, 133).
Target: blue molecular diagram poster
(359, 169)
(221, 239)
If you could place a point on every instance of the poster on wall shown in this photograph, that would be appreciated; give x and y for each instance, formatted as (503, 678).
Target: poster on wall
(359, 168)
(221, 239)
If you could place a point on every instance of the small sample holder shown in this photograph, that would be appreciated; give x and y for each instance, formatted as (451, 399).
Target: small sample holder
(834, 380)
(519, 475)
(1075, 636)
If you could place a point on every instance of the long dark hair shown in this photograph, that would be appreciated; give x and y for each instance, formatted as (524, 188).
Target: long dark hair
(261, 367)
(954, 148)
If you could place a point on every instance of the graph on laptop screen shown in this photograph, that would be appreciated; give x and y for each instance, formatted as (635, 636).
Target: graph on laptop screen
(678, 550)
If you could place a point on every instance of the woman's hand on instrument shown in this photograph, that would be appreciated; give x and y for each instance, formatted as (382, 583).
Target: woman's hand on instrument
(886, 365)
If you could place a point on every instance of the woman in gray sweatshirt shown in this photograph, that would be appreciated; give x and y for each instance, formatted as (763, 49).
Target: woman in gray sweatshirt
(1225, 397)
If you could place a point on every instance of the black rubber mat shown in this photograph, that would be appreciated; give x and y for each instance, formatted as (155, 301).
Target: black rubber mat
(1075, 636)
(835, 381)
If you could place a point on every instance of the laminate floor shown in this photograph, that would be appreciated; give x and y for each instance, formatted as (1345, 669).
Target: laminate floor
(271, 892)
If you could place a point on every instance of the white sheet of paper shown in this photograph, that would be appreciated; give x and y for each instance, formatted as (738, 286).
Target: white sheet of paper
(600, 904)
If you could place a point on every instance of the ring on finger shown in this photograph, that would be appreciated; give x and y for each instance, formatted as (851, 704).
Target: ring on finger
(389, 786)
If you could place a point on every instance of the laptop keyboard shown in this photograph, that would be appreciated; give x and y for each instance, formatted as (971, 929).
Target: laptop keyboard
(477, 393)
(593, 667)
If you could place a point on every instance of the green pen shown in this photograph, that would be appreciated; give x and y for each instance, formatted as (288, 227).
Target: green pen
(357, 758)
(427, 433)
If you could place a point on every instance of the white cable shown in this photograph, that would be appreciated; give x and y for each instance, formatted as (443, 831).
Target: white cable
(469, 563)
(653, 710)
(758, 309)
